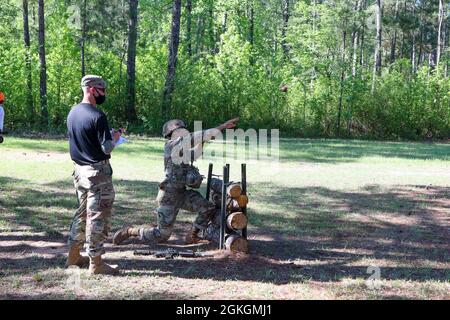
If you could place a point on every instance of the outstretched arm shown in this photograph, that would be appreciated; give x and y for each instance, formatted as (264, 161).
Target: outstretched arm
(200, 137)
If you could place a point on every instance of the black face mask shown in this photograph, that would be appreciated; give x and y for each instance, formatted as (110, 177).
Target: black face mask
(100, 99)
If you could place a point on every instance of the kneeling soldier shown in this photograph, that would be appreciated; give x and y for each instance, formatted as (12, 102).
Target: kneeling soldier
(173, 194)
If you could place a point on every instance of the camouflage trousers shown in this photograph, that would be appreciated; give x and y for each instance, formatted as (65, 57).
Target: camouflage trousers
(212, 231)
(91, 222)
(170, 201)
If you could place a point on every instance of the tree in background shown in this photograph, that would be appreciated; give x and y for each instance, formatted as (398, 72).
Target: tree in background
(308, 67)
(43, 66)
(172, 59)
(378, 44)
(84, 26)
(29, 76)
(441, 36)
(131, 62)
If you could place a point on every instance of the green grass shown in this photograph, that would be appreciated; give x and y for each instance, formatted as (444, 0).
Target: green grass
(318, 218)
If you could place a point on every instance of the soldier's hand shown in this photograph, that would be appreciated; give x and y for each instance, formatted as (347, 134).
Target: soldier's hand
(116, 135)
(230, 124)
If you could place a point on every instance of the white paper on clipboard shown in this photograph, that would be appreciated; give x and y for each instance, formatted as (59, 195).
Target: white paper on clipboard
(121, 140)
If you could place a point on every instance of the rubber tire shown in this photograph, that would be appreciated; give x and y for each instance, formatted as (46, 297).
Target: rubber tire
(1, 139)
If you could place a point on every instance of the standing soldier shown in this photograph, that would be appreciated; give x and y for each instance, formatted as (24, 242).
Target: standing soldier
(91, 144)
(173, 194)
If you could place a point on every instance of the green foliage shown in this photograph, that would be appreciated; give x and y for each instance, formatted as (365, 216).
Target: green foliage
(234, 73)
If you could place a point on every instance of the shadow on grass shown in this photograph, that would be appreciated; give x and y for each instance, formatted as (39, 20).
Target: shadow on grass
(300, 234)
(42, 208)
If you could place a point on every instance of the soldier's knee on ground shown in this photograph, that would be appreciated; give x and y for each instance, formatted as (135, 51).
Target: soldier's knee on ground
(206, 215)
(166, 219)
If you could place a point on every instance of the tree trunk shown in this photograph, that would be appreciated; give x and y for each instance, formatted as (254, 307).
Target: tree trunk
(189, 27)
(440, 29)
(446, 44)
(223, 28)
(313, 46)
(286, 15)
(394, 38)
(199, 36)
(43, 65)
(251, 28)
(26, 39)
(131, 62)
(362, 43)
(355, 40)
(224, 22)
(355, 53)
(172, 60)
(344, 37)
(251, 23)
(211, 32)
(361, 47)
(83, 38)
(413, 52)
(377, 54)
(121, 63)
(420, 54)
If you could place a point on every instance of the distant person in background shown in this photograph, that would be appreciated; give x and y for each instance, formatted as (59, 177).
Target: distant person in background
(2, 111)
(91, 143)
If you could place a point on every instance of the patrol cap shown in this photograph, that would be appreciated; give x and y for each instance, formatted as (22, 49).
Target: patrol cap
(93, 81)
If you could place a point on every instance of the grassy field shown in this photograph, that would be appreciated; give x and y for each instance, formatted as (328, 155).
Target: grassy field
(322, 217)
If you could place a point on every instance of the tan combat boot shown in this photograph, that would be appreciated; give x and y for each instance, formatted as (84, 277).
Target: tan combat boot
(97, 266)
(125, 233)
(192, 237)
(74, 258)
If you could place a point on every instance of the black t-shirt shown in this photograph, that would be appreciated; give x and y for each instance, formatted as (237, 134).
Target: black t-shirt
(88, 129)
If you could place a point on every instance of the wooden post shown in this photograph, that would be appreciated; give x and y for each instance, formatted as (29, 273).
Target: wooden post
(208, 182)
(223, 207)
(244, 192)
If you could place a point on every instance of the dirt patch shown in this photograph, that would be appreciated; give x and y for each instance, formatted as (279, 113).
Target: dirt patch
(33, 156)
